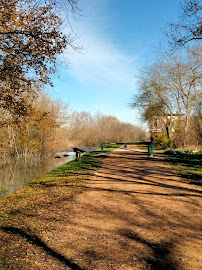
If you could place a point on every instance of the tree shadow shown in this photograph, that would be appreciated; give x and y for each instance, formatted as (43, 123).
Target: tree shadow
(162, 252)
(128, 192)
(34, 239)
(138, 179)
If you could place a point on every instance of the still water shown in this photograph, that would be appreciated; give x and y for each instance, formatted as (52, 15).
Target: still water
(16, 172)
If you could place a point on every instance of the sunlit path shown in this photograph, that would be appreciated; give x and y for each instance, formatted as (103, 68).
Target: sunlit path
(135, 214)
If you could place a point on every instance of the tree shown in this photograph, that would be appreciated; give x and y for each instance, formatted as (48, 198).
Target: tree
(36, 132)
(189, 27)
(85, 129)
(197, 118)
(172, 85)
(31, 39)
(155, 97)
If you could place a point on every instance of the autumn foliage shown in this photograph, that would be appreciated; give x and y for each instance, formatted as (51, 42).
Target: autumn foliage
(31, 40)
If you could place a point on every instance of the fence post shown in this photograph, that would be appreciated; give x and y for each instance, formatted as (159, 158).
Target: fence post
(151, 149)
(77, 155)
(102, 146)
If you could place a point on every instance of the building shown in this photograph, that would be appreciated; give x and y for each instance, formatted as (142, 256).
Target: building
(166, 123)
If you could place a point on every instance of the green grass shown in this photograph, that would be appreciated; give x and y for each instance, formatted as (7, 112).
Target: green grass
(110, 147)
(145, 148)
(189, 166)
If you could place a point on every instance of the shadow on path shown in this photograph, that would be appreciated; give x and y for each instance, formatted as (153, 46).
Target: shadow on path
(162, 256)
(34, 239)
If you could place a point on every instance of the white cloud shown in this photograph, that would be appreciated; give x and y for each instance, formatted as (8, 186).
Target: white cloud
(103, 73)
(101, 62)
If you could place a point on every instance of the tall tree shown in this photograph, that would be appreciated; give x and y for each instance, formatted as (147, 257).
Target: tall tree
(170, 86)
(31, 39)
(189, 27)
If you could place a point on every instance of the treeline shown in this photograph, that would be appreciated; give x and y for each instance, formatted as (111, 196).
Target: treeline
(49, 126)
(31, 41)
(91, 130)
(170, 90)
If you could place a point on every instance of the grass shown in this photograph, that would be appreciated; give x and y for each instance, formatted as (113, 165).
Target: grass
(145, 148)
(3, 191)
(189, 166)
(109, 148)
(35, 211)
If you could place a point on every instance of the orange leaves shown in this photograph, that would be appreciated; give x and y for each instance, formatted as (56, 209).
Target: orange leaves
(31, 39)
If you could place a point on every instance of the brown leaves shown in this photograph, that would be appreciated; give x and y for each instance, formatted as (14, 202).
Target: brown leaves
(30, 42)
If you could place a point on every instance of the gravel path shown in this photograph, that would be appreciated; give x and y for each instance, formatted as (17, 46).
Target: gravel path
(135, 214)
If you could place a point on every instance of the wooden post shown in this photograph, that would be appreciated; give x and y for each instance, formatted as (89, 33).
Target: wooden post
(148, 149)
(79, 156)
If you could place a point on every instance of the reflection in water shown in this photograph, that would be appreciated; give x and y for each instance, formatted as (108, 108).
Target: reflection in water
(16, 172)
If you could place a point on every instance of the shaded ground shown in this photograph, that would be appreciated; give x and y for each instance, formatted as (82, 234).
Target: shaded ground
(188, 166)
(134, 214)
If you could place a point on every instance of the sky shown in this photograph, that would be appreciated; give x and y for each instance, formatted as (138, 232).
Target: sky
(118, 38)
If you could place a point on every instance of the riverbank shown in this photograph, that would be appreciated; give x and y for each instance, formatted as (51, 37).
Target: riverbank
(36, 210)
(16, 172)
(128, 211)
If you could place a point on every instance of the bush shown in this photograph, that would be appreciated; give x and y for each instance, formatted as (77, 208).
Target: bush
(162, 141)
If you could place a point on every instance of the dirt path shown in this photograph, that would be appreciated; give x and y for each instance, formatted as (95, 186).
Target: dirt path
(135, 214)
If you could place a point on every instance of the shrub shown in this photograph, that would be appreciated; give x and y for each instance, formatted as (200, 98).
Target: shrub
(162, 141)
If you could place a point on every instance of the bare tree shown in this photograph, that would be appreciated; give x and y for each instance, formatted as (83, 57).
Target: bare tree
(85, 129)
(168, 87)
(197, 119)
(189, 27)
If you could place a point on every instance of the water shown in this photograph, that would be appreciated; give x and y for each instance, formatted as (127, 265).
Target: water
(16, 172)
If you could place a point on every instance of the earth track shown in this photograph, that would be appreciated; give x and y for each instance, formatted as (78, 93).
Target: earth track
(134, 214)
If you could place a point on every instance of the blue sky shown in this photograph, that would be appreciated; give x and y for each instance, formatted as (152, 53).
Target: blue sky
(119, 38)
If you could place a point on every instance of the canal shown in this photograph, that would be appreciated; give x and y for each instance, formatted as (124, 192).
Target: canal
(16, 172)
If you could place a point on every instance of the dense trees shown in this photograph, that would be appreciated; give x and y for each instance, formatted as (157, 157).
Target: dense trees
(88, 130)
(34, 133)
(50, 126)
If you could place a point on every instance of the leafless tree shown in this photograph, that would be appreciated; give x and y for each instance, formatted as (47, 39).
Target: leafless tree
(189, 27)
(170, 86)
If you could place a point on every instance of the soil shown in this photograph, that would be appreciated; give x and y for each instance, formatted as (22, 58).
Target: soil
(134, 214)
